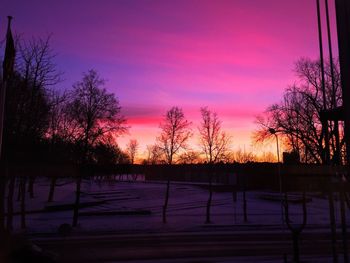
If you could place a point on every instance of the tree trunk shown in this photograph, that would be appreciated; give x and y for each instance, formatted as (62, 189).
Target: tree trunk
(23, 204)
(31, 186)
(165, 206)
(332, 225)
(52, 188)
(77, 202)
(2, 205)
(234, 199)
(9, 222)
(207, 221)
(343, 224)
(19, 193)
(244, 201)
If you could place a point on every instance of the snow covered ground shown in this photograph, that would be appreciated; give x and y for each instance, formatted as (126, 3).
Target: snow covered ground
(136, 207)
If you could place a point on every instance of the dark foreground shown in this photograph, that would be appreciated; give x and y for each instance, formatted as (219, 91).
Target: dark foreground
(111, 227)
(210, 246)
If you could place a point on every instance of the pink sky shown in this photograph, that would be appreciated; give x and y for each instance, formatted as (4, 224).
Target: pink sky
(234, 56)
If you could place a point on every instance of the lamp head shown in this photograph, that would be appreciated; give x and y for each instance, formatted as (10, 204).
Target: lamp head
(272, 131)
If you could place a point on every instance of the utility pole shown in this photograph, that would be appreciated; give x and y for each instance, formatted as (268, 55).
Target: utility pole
(343, 30)
(7, 66)
(326, 155)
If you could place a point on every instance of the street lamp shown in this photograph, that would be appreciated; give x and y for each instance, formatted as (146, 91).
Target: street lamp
(274, 132)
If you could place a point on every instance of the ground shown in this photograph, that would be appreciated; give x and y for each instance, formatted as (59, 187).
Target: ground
(122, 220)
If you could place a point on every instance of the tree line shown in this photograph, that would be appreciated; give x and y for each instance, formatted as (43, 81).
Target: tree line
(82, 123)
(46, 124)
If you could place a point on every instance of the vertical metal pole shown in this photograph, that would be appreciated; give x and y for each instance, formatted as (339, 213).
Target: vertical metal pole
(2, 167)
(324, 122)
(332, 224)
(278, 149)
(343, 29)
(2, 176)
(2, 114)
(5, 77)
(343, 222)
(334, 95)
(336, 158)
(279, 177)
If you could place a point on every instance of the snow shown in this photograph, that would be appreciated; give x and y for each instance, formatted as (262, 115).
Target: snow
(136, 207)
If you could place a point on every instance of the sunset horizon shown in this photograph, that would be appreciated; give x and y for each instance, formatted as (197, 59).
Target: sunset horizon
(235, 58)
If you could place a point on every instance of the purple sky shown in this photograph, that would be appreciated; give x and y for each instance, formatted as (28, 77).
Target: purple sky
(234, 56)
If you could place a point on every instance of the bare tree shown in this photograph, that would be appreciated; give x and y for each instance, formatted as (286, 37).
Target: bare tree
(241, 156)
(190, 157)
(268, 157)
(94, 114)
(298, 117)
(131, 149)
(154, 154)
(173, 138)
(57, 123)
(107, 152)
(214, 143)
(28, 106)
(35, 62)
(175, 134)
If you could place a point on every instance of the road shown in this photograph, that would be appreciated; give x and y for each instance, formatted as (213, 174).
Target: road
(222, 246)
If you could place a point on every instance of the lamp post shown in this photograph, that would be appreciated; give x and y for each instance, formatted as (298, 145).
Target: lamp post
(274, 132)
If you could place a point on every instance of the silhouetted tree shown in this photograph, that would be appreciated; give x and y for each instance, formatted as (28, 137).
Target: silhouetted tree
(11, 190)
(23, 181)
(27, 111)
(27, 102)
(173, 138)
(268, 157)
(131, 149)
(241, 156)
(122, 157)
(58, 124)
(93, 114)
(35, 62)
(58, 140)
(154, 154)
(175, 133)
(297, 118)
(214, 143)
(39, 73)
(109, 153)
(189, 157)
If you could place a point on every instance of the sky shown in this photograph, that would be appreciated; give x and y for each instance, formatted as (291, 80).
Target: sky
(234, 56)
